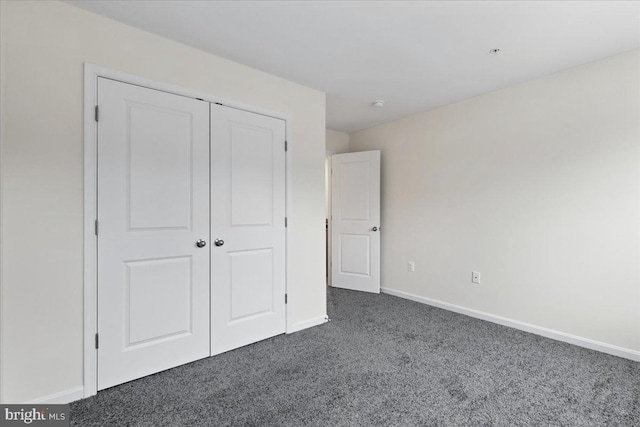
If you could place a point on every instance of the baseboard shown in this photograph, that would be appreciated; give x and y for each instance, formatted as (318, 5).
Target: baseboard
(308, 324)
(66, 396)
(527, 327)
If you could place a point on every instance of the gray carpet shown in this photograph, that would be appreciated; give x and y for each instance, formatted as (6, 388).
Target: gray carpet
(383, 361)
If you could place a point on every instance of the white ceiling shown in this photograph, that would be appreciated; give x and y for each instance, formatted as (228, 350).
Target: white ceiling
(413, 55)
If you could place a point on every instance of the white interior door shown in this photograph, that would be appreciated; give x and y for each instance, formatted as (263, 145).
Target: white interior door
(355, 226)
(153, 206)
(248, 224)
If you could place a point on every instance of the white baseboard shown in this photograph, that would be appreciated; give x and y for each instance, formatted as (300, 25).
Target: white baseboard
(308, 323)
(66, 396)
(527, 327)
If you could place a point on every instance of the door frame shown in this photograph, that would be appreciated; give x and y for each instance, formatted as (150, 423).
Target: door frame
(328, 154)
(90, 257)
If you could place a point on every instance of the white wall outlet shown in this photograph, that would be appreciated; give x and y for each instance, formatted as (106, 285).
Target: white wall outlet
(411, 266)
(475, 277)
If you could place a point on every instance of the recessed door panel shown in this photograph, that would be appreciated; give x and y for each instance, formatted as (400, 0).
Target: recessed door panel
(247, 220)
(251, 175)
(354, 254)
(159, 145)
(252, 291)
(354, 190)
(153, 205)
(159, 301)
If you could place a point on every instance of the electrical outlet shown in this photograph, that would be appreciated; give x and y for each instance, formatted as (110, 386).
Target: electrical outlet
(411, 266)
(475, 277)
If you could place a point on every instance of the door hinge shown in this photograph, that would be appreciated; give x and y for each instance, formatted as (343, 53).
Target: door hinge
(96, 340)
(285, 146)
(96, 227)
(285, 222)
(97, 113)
(285, 299)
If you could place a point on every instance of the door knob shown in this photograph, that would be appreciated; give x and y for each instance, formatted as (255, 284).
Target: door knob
(218, 242)
(374, 229)
(201, 243)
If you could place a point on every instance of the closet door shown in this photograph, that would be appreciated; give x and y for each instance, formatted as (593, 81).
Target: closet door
(248, 228)
(153, 213)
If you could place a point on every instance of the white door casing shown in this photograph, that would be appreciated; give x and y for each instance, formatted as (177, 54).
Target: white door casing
(248, 214)
(153, 205)
(355, 211)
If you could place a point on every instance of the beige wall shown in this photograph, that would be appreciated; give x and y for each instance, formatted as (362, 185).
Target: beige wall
(337, 142)
(537, 187)
(44, 45)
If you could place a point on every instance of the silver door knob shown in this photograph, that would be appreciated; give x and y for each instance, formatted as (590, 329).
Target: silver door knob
(218, 242)
(201, 243)
(374, 229)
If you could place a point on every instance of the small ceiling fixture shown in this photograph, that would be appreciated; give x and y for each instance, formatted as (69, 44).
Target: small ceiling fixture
(378, 103)
(494, 52)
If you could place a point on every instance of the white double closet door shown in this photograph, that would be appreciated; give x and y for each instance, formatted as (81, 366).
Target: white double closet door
(191, 237)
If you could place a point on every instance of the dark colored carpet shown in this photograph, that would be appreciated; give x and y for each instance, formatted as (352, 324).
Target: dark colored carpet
(383, 361)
